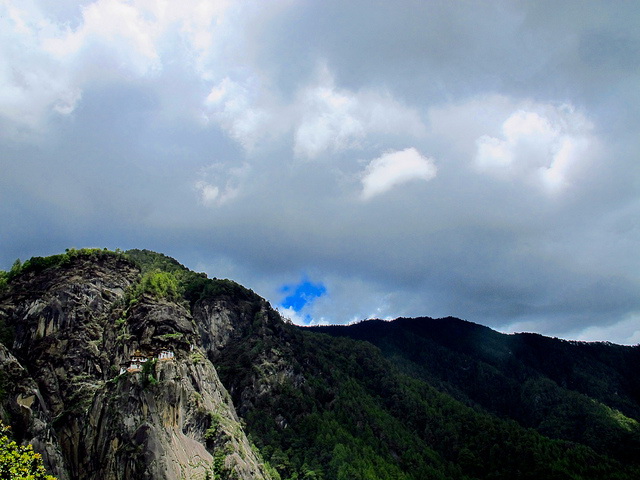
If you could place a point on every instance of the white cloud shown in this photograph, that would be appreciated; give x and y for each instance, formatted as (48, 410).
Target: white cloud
(538, 142)
(321, 118)
(220, 184)
(292, 315)
(624, 332)
(334, 119)
(135, 31)
(208, 193)
(30, 81)
(316, 322)
(120, 27)
(232, 105)
(47, 61)
(329, 122)
(394, 168)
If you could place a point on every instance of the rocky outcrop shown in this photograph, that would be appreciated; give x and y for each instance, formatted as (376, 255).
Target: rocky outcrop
(172, 421)
(74, 327)
(221, 321)
(25, 408)
(253, 335)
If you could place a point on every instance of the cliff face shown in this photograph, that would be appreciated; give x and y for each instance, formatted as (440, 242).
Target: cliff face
(75, 328)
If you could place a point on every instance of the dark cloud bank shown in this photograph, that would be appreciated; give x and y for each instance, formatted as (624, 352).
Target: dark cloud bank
(474, 159)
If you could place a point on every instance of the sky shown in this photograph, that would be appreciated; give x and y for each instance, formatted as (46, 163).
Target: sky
(345, 160)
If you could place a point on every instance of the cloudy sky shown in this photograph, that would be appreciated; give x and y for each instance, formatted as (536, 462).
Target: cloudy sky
(345, 160)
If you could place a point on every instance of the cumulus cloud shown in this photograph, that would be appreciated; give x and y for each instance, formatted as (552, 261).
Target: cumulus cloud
(233, 106)
(395, 168)
(32, 84)
(292, 315)
(541, 143)
(138, 32)
(129, 102)
(329, 122)
(120, 27)
(320, 119)
(334, 119)
(299, 298)
(208, 193)
(45, 63)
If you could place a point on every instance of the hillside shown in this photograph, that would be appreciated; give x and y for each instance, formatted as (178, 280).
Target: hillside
(126, 365)
(583, 392)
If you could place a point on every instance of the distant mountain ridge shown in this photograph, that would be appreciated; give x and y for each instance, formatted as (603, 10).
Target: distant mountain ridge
(588, 392)
(240, 393)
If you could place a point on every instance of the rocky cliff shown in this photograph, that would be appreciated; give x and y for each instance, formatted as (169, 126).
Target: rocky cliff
(70, 385)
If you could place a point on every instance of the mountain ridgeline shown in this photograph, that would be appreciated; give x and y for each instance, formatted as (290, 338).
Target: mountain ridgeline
(127, 365)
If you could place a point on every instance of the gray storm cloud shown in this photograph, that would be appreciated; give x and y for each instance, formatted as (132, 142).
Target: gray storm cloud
(422, 158)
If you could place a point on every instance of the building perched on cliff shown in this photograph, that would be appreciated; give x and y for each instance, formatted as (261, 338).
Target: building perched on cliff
(165, 355)
(138, 359)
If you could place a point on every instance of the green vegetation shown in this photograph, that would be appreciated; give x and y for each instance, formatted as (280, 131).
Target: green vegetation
(190, 285)
(579, 392)
(214, 426)
(148, 373)
(159, 284)
(4, 382)
(6, 333)
(38, 264)
(4, 280)
(19, 462)
(218, 470)
(149, 261)
(16, 268)
(197, 358)
(337, 409)
(162, 276)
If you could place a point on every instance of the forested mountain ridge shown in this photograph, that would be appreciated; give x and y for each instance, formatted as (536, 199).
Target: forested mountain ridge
(587, 392)
(227, 389)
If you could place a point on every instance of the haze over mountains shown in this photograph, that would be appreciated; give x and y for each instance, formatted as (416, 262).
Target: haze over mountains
(127, 365)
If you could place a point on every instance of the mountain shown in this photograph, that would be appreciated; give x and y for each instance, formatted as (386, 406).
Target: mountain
(588, 393)
(76, 320)
(127, 365)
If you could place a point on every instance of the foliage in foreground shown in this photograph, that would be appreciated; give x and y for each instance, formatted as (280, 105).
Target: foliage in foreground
(18, 462)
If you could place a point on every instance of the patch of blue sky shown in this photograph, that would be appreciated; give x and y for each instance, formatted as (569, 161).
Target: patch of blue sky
(302, 295)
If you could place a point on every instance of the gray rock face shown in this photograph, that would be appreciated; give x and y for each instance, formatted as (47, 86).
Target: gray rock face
(76, 328)
(24, 404)
(170, 427)
(219, 322)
